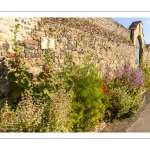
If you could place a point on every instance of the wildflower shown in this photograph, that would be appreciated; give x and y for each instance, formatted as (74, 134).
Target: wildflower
(127, 72)
(137, 78)
(43, 67)
(119, 72)
(134, 78)
(107, 91)
(8, 116)
(16, 67)
(108, 71)
(118, 106)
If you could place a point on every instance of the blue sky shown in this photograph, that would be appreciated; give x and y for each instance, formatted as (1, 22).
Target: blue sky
(146, 25)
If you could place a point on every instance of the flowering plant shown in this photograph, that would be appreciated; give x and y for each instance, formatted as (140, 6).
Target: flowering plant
(19, 77)
(128, 80)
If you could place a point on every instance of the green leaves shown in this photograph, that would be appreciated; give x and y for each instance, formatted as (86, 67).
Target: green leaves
(45, 90)
(16, 74)
(16, 93)
(24, 84)
(12, 63)
(87, 107)
(19, 78)
(28, 75)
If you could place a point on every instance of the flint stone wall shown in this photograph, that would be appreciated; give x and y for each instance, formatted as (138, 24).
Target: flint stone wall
(107, 40)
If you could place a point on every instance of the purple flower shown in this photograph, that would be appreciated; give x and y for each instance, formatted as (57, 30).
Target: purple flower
(134, 78)
(107, 73)
(127, 71)
(119, 72)
(137, 78)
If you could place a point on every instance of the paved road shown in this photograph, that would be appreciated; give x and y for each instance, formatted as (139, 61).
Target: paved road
(142, 124)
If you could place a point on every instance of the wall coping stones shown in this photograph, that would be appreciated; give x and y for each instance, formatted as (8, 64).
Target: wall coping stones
(86, 25)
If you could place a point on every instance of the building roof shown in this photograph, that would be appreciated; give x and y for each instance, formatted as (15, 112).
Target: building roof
(134, 25)
(147, 45)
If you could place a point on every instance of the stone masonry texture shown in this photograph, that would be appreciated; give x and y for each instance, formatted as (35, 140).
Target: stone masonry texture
(104, 38)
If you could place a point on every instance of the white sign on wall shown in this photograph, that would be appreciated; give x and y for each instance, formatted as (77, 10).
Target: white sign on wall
(44, 43)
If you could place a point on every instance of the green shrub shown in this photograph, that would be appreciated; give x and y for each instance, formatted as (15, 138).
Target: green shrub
(29, 115)
(128, 102)
(26, 117)
(19, 78)
(8, 119)
(87, 106)
(123, 90)
(38, 116)
(145, 65)
(60, 108)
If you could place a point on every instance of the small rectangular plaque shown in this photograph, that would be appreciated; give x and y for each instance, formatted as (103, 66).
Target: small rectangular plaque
(44, 43)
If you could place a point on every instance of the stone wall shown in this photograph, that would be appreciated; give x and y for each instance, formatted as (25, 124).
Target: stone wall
(112, 25)
(107, 40)
(7, 27)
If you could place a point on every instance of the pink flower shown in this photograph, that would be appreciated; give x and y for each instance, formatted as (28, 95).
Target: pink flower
(7, 116)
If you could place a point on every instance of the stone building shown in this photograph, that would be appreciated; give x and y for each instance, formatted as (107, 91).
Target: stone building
(107, 41)
(137, 36)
